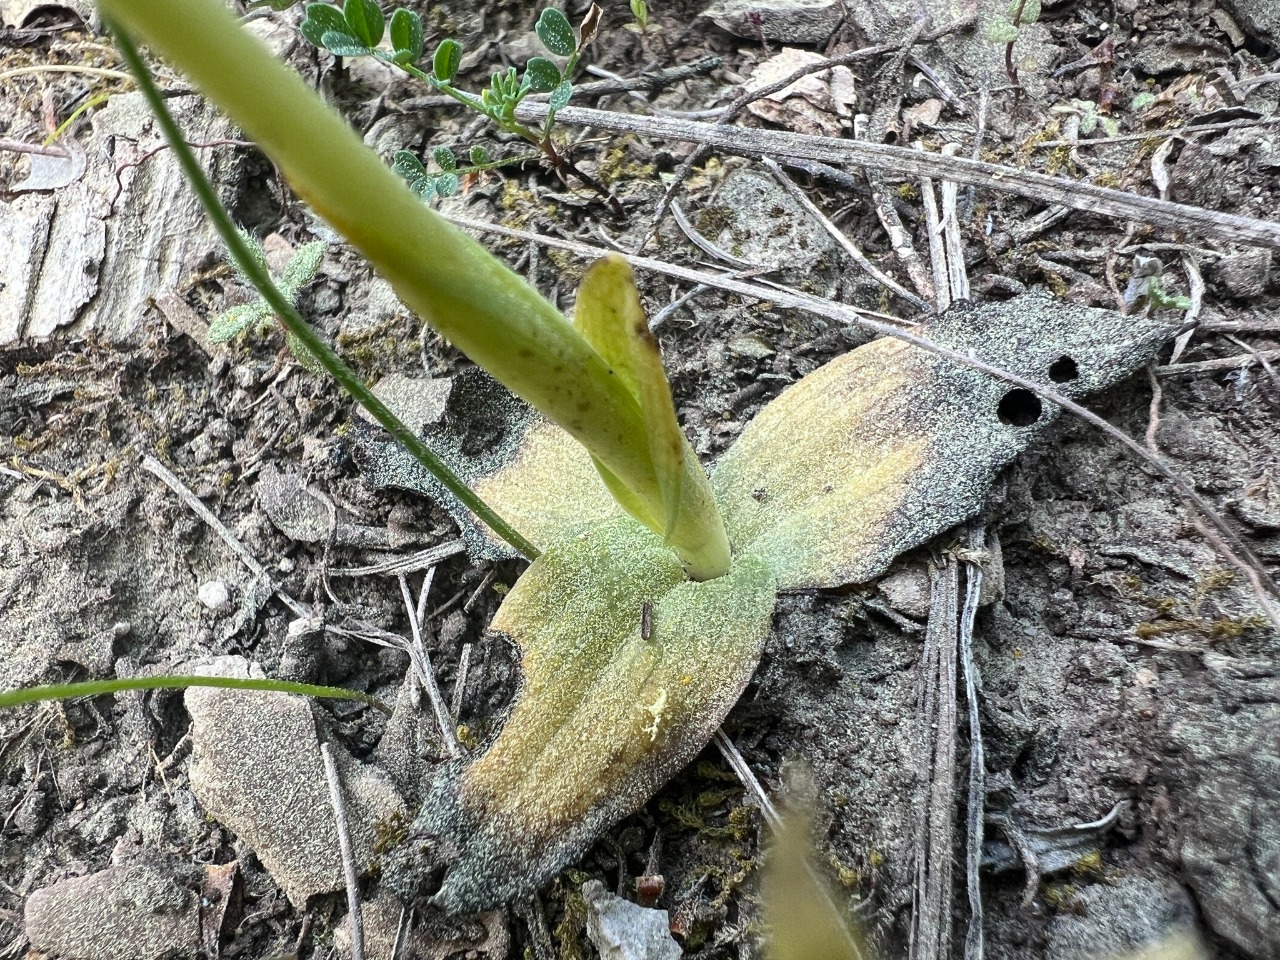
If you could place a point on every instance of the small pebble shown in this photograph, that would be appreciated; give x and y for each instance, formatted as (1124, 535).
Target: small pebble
(215, 595)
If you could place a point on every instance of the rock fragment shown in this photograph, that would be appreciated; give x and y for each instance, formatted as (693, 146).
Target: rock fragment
(792, 21)
(120, 913)
(256, 768)
(622, 930)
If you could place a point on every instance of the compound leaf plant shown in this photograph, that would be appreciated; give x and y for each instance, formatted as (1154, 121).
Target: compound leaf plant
(356, 30)
(646, 610)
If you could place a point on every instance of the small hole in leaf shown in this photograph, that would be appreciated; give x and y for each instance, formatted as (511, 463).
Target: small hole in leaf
(1063, 370)
(1019, 408)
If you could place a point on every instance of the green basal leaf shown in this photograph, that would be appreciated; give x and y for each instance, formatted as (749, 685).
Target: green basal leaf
(364, 21)
(345, 45)
(556, 33)
(447, 59)
(321, 19)
(888, 446)
(605, 714)
(406, 35)
(444, 158)
(480, 156)
(302, 267)
(1031, 11)
(560, 95)
(640, 10)
(541, 75)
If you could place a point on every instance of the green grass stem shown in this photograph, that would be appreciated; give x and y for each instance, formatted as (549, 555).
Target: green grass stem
(95, 688)
(293, 321)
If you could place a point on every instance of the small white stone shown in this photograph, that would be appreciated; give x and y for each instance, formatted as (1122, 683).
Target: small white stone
(214, 594)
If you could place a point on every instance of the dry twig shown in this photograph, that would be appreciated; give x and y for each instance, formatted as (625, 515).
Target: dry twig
(348, 860)
(906, 162)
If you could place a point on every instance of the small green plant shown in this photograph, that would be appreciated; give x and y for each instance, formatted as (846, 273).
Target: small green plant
(640, 11)
(1007, 28)
(443, 182)
(650, 596)
(258, 317)
(356, 30)
(1091, 117)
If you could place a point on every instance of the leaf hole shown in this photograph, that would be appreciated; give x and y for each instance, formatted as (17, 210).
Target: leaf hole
(1063, 370)
(1019, 408)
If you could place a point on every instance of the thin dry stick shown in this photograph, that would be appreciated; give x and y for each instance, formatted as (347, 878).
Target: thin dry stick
(196, 505)
(957, 271)
(937, 251)
(1195, 283)
(737, 105)
(849, 315)
(975, 808)
(1256, 577)
(1217, 366)
(935, 825)
(19, 146)
(530, 911)
(858, 257)
(422, 560)
(1257, 355)
(899, 238)
(1257, 325)
(738, 762)
(705, 245)
(460, 684)
(905, 162)
(427, 675)
(348, 860)
(403, 926)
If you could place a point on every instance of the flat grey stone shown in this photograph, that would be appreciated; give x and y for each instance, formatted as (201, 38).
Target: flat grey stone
(622, 930)
(121, 913)
(791, 21)
(1261, 18)
(1122, 917)
(1228, 804)
(765, 226)
(256, 768)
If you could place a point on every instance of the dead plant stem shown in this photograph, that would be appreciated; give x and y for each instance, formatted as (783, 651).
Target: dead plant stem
(348, 860)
